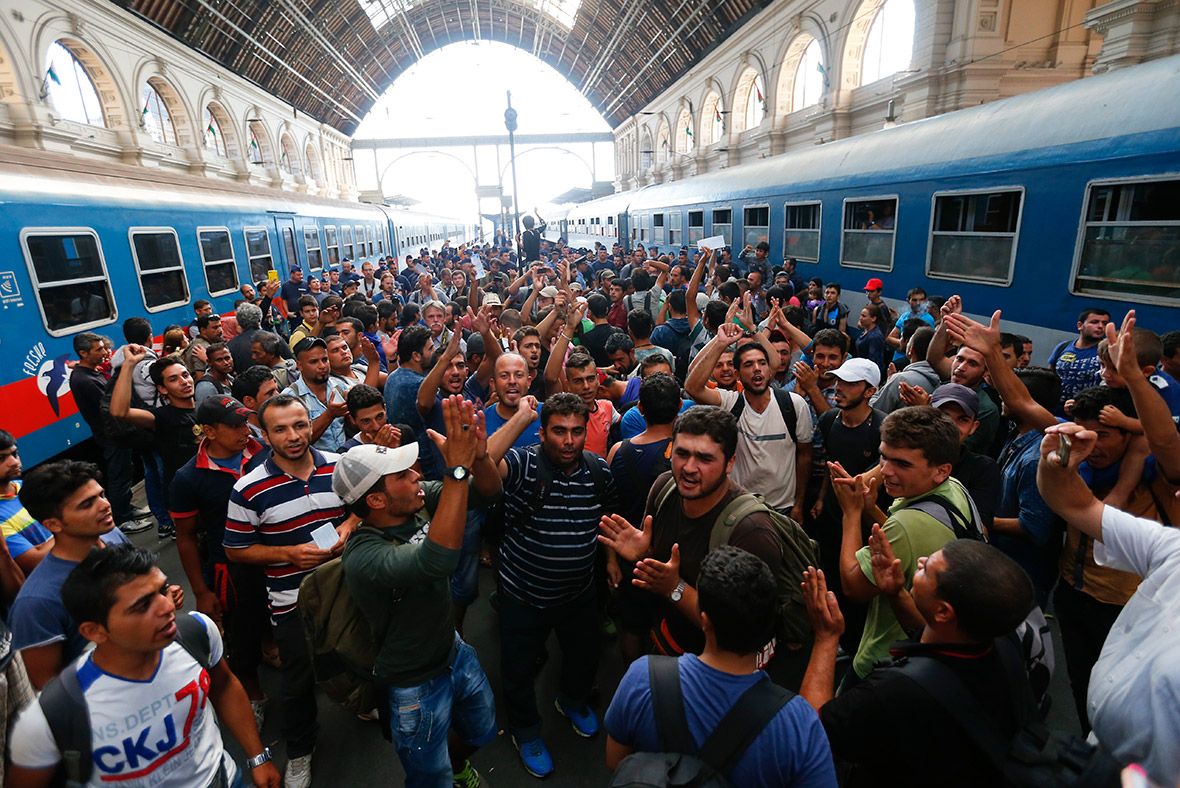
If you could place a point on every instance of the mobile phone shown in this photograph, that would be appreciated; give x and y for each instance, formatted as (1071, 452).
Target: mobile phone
(1064, 445)
(272, 275)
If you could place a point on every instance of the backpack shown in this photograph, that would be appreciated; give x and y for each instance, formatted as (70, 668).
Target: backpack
(341, 641)
(785, 404)
(940, 508)
(682, 347)
(63, 703)
(799, 552)
(1036, 757)
(681, 763)
(124, 434)
(496, 525)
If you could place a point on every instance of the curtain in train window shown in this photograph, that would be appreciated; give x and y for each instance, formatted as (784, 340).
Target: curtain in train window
(1131, 241)
(70, 280)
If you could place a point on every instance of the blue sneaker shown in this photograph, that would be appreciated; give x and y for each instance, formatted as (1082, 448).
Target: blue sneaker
(584, 723)
(535, 756)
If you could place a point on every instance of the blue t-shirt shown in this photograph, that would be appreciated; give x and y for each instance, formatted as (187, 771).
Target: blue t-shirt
(899, 354)
(532, 433)
(633, 422)
(1169, 389)
(38, 616)
(791, 751)
(290, 292)
(1078, 368)
(21, 532)
(1037, 550)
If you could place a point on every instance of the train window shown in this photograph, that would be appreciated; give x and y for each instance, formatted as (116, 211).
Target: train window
(801, 227)
(363, 236)
(869, 233)
(756, 224)
(675, 234)
(696, 226)
(1130, 241)
(657, 223)
(973, 236)
(156, 251)
(217, 254)
(311, 244)
(346, 242)
(258, 252)
(723, 224)
(69, 278)
(331, 245)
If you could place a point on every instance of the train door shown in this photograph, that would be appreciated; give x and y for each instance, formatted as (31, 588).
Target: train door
(288, 256)
(621, 233)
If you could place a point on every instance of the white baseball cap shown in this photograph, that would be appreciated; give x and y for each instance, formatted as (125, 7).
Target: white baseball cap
(360, 467)
(855, 370)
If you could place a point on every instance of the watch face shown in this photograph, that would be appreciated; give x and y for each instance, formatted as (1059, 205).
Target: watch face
(459, 473)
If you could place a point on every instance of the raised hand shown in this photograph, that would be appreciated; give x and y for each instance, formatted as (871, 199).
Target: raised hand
(369, 350)
(729, 333)
(659, 577)
(805, 375)
(975, 335)
(1122, 347)
(388, 436)
(887, 572)
(850, 490)
(626, 540)
(912, 395)
(953, 306)
(458, 447)
(133, 354)
(822, 608)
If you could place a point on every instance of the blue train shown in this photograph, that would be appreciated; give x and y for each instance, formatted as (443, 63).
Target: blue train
(90, 244)
(1040, 205)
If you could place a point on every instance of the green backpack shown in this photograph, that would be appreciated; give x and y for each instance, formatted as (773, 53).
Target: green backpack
(799, 552)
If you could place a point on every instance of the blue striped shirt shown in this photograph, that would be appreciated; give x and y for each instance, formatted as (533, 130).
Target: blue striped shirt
(270, 507)
(548, 558)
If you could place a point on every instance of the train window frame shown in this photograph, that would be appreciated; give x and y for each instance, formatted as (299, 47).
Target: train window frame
(251, 258)
(318, 246)
(38, 287)
(713, 224)
(819, 228)
(162, 230)
(329, 247)
(1083, 223)
(1015, 236)
(659, 232)
(893, 232)
(675, 222)
(746, 228)
(205, 263)
(348, 243)
(695, 232)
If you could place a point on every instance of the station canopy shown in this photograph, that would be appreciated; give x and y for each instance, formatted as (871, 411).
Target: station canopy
(332, 59)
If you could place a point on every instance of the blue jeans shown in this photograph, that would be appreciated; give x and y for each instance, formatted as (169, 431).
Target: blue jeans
(153, 485)
(420, 718)
(465, 580)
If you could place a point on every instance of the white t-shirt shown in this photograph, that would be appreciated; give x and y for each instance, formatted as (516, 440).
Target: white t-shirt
(765, 460)
(160, 733)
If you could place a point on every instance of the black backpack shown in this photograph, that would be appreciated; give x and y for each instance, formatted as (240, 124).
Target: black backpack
(122, 433)
(940, 508)
(64, 705)
(1036, 757)
(682, 347)
(496, 525)
(681, 763)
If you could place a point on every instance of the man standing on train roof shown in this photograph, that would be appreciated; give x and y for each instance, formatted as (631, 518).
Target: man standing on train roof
(289, 295)
(1076, 361)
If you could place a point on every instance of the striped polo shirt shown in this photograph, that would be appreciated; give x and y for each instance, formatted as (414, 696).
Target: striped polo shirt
(548, 558)
(270, 507)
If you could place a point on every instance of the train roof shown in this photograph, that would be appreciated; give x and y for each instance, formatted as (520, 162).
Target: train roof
(1128, 101)
(605, 206)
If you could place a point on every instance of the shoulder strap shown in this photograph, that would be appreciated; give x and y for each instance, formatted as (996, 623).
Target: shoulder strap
(192, 636)
(597, 474)
(663, 674)
(663, 495)
(543, 484)
(940, 508)
(786, 406)
(64, 706)
(738, 406)
(742, 724)
(734, 512)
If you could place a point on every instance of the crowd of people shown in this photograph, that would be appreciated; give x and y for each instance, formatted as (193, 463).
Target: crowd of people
(832, 522)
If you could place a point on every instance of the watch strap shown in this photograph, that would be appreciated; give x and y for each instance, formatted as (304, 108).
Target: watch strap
(258, 760)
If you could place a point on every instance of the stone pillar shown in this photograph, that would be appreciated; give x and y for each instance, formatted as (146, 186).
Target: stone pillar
(1129, 31)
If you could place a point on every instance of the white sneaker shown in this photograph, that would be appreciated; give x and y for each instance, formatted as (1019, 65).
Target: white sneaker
(259, 709)
(298, 773)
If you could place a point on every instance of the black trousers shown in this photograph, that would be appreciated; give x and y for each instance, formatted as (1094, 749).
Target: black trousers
(1085, 622)
(298, 687)
(523, 632)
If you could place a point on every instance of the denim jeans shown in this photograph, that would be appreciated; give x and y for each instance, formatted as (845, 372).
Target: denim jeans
(153, 486)
(420, 718)
(465, 580)
(523, 632)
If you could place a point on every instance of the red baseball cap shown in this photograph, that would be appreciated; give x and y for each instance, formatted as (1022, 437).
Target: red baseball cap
(874, 284)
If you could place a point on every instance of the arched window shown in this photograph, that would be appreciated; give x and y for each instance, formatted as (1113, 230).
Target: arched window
(755, 103)
(663, 144)
(684, 136)
(890, 43)
(712, 123)
(214, 136)
(255, 149)
(646, 153)
(289, 156)
(70, 87)
(157, 120)
(809, 77)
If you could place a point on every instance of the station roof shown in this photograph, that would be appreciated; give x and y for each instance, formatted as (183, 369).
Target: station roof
(332, 59)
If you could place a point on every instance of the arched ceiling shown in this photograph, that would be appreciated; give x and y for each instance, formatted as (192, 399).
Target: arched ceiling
(332, 59)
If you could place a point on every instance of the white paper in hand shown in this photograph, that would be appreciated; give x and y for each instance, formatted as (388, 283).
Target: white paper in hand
(325, 537)
(714, 243)
(477, 264)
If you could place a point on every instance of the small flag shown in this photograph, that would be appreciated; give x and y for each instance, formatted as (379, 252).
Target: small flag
(664, 143)
(688, 130)
(717, 113)
(254, 142)
(210, 129)
(820, 68)
(759, 92)
(52, 75)
(145, 107)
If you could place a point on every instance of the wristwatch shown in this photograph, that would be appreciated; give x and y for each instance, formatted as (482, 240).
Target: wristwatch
(678, 592)
(260, 759)
(458, 473)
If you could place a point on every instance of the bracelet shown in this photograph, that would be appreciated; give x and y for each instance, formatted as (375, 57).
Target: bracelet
(567, 338)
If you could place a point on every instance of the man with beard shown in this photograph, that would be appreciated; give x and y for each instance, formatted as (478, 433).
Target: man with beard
(273, 510)
(547, 577)
(967, 368)
(769, 436)
(324, 397)
(817, 386)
